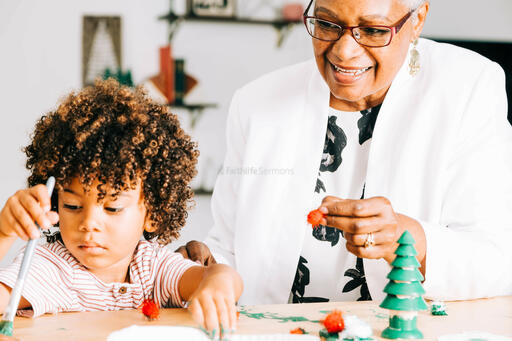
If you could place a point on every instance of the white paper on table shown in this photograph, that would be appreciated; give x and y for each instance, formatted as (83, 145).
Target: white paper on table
(473, 336)
(136, 333)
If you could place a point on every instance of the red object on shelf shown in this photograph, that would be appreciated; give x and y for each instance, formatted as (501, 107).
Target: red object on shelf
(292, 12)
(334, 322)
(150, 309)
(167, 73)
(315, 217)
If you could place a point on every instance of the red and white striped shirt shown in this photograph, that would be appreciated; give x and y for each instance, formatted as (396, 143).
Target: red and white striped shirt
(57, 282)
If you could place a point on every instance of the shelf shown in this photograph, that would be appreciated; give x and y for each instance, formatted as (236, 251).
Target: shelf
(234, 20)
(203, 191)
(195, 110)
(282, 26)
(193, 107)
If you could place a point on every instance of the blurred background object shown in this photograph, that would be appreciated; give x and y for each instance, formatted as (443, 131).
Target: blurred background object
(101, 47)
(292, 11)
(51, 47)
(212, 8)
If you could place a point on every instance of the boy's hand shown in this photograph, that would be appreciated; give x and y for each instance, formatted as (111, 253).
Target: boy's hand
(213, 303)
(22, 209)
(197, 252)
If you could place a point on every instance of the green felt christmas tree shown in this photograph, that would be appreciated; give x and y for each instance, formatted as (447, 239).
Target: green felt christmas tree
(404, 292)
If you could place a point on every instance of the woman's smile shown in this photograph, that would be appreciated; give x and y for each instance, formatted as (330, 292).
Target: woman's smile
(347, 75)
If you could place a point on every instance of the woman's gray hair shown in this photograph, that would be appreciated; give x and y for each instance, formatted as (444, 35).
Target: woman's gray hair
(413, 4)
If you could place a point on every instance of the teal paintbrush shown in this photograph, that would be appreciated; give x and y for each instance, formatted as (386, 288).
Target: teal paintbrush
(14, 300)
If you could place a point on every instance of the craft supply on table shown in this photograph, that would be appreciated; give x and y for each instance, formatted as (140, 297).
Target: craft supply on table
(137, 333)
(244, 311)
(298, 331)
(14, 300)
(349, 327)
(438, 308)
(337, 326)
(149, 309)
(404, 292)
(333, 322)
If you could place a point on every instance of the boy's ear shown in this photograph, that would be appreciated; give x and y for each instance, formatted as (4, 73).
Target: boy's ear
(148, 224)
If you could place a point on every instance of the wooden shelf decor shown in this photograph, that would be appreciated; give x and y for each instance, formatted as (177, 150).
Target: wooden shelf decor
(283, 27)
(195, 110)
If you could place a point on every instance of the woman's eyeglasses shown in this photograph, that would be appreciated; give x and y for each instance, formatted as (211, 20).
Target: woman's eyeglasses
(367, 35)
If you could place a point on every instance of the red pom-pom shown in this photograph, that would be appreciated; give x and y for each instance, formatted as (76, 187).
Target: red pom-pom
(315, 217)
(334, 322)
(150, 309)
(297, 331)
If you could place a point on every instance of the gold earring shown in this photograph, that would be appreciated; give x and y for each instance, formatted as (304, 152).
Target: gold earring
(414, 61)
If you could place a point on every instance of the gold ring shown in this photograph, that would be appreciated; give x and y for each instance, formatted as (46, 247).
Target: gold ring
(370, 241)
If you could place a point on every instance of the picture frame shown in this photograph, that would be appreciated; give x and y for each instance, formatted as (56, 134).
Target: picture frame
(212, 8)
(101, 47)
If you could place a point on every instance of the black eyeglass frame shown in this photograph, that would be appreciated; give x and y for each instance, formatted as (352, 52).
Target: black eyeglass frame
(394, 29)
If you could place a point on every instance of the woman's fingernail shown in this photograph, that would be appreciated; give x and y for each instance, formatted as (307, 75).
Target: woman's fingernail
(47, 209)
(35, 234)
(323, 209)
(214, 331)
(46, 223)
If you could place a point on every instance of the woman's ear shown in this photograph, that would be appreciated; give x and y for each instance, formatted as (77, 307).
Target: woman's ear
(421, 13)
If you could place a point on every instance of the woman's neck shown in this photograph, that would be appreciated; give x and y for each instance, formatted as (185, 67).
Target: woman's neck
(359, 105)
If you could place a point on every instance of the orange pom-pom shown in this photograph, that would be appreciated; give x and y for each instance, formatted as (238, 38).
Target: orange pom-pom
(297, 331)
(315, 217)
(150, 309)
(334, 322)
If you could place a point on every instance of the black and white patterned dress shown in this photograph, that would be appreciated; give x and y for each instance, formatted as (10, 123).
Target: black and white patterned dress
(326, 271)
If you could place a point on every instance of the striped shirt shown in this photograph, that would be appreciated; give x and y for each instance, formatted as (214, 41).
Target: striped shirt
(57, 282)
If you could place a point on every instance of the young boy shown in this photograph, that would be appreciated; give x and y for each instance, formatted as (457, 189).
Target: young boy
(122, 166)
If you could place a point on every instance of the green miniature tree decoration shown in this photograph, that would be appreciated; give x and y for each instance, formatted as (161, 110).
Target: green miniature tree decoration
(404, 292)
(124, 78)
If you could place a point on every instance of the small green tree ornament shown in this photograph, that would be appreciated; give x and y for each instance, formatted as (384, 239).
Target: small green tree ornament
(404, 292)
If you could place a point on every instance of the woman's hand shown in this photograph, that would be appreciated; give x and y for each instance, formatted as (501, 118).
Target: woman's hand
(358, 218)
(22, 209)
(213, 303)
(197, 252)
(8, 338)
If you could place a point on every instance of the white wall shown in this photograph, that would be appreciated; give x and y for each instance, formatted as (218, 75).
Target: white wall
(40, 61)
(489, 20)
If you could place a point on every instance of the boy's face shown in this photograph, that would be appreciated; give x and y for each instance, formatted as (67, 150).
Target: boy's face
(101, 235)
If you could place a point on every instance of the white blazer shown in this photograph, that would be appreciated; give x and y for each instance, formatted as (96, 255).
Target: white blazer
(441, 152)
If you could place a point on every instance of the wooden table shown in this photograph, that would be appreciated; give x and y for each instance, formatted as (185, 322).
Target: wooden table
(486, 315)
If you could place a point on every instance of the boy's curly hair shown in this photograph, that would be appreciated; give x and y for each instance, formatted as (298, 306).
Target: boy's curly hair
(117, 135)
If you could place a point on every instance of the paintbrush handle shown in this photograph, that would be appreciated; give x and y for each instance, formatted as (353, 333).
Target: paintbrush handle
(14, 300)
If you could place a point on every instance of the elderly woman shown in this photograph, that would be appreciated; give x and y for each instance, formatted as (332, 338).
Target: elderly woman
(385, 132)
